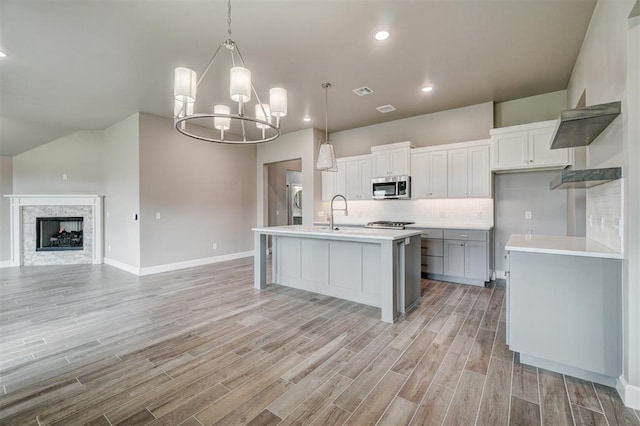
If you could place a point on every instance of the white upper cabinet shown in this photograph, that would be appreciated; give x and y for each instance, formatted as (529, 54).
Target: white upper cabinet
(527, 147)
(392, 160)
(334, 182)
(358, 178)
(469, 174)
(479, 171)
(429, 174)
(459, 172)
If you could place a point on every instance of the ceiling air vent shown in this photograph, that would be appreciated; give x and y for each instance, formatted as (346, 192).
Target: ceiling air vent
(386, 108)
(361, 91)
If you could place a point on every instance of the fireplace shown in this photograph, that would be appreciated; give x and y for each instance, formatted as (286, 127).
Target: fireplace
(59, 233)
(31, 242)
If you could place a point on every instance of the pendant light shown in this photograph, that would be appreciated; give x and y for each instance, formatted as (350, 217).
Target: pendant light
(326, 156)
(229, 127)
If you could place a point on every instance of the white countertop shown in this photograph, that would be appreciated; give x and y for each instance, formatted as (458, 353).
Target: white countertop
(477, 227)
(323, 232)
(558, 244)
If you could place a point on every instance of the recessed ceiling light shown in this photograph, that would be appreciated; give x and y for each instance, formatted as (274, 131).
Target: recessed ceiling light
(306, 118)
(2, 55)
(427, 89)
(382, 35)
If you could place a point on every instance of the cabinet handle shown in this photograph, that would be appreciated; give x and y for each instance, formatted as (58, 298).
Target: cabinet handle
(463, 235)
(531, 161)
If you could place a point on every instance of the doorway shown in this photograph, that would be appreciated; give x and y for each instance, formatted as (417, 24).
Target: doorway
(284, 193)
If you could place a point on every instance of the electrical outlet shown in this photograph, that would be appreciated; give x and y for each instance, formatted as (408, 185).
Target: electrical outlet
(601, 223)
(528, 214)
(590, 221)
(109, 247)
(277, 212)
(107, 215)
(157, 215)
(214, 246)
(64, 176)
(479, 215)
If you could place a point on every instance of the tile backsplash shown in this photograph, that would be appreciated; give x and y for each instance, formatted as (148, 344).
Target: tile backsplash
(465, 211)
(605, 219)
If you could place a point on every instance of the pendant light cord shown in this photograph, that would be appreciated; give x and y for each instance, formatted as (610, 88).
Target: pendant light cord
(326, 111)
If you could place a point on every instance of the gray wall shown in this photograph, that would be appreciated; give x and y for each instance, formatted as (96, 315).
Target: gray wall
(277, 175)
(607, 70)
(6, 187)
(456, 125)
(122, 192)
(205, 193)
(78, 155)
(516, 193)
(528, 110)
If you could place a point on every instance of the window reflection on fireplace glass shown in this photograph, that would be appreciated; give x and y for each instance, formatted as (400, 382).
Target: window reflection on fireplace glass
(59, 233)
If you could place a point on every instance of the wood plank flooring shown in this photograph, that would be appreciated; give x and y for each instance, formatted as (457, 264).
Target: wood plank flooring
(93, 345)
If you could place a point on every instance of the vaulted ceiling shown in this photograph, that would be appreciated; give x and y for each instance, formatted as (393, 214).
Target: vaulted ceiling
(78, 64)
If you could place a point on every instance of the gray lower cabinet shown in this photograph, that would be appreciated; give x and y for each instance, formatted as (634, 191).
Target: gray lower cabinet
(564, 314)
(457, 255)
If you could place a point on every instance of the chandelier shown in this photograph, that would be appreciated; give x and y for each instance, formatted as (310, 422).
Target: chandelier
(230, 127)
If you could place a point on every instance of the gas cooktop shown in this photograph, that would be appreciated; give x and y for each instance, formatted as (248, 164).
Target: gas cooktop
(385, 224)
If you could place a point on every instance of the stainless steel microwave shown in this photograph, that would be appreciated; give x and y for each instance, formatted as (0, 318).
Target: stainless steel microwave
(391, 187)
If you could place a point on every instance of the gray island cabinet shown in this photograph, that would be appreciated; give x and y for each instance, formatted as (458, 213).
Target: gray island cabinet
(377, 267)
(564, 305)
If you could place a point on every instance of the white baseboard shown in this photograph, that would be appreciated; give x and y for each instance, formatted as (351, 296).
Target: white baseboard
(500, 275)
(6, 264)
(191, 263)
(177, 265)
(121, 265)
(629, 394)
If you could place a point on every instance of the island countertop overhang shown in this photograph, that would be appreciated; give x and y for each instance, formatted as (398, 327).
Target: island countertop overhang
(347, 234)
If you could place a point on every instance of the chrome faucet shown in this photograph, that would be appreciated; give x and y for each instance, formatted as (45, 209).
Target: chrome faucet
(346, 212)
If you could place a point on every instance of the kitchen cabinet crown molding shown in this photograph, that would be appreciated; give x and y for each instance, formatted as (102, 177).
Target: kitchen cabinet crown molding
(449, 146)
(523, 127)
(406, 144)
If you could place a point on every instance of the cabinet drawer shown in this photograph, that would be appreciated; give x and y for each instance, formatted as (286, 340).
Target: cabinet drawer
(432, 265)
(432, 233)
(465, 234)
(432, 247)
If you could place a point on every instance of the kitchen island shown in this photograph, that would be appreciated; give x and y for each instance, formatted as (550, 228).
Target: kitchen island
(564, 305)
(376, 267)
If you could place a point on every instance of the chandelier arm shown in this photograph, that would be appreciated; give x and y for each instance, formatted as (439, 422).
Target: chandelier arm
(240, 56)
(206, 70)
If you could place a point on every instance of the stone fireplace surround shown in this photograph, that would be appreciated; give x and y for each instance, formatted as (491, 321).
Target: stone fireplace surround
(25, 209)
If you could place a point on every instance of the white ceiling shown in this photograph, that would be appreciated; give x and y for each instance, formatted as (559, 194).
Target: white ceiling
(78, 64)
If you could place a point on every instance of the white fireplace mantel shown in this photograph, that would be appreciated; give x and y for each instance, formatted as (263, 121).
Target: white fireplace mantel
(18, 201)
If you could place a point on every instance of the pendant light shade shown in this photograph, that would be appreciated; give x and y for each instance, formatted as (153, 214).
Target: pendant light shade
(185, 82)
(240, 84)
(278, 100)
(326, 158)
(326, 155)
(260, 115)
(221, 123)
(178, 108)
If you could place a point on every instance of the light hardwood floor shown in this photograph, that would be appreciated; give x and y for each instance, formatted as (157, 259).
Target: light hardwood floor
(95, 345)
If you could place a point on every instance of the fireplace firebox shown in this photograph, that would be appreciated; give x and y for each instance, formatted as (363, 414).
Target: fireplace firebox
(59, 233)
